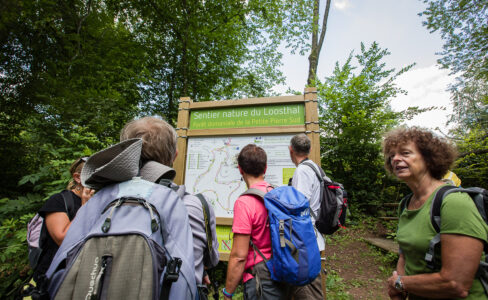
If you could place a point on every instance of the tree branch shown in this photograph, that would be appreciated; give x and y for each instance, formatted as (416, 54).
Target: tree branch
(477, 152)
(317, 43)
(324, 27)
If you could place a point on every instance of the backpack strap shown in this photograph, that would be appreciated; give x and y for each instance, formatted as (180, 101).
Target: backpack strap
(256, 249)
(69, 204)
(260, 194)
(171, 275)
(178, 189)
(208, 231)
(168, 183)
(254, 192)
(174, 264)
(435, 219)
(435, 209)
(404, 203)
(320, 175)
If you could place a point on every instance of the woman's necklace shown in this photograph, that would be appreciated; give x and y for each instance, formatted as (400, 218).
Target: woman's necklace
(415, 203)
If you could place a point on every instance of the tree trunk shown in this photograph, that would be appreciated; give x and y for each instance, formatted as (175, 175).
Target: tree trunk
(316, 42)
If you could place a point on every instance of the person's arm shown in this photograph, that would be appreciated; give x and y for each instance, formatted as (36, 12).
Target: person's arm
(57, 224)
(237, 262)
(401, 264)
(460, 259)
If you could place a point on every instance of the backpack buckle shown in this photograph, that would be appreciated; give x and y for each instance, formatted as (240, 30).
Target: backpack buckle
(173, 269)
(281, 229)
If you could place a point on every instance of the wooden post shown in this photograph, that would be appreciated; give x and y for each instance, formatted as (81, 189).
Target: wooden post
(182, 130)
(312, 130)
(312, 122)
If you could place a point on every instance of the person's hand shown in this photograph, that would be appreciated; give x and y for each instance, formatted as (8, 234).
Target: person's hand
(392, 291)
(206, 280)
(394, 294)
(86, 194)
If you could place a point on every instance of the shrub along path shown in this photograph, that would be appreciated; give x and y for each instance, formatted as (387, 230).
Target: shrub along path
(356, 269)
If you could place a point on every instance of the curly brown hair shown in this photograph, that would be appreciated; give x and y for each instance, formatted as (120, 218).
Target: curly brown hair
(437, 152)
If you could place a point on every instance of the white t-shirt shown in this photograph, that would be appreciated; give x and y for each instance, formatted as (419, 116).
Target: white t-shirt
(305, 180)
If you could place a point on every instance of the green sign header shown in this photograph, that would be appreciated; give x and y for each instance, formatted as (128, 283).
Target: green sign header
(257, 116)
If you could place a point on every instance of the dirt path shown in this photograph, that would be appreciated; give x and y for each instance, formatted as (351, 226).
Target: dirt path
(356, 270)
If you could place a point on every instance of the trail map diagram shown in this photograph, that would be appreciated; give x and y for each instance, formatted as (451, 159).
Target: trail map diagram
(211, 167)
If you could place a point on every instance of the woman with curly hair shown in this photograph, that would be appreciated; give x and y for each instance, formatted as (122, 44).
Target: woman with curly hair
(420, 159)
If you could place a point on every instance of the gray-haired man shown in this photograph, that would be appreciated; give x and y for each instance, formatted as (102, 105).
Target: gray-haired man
(157, 156)
(305, 180)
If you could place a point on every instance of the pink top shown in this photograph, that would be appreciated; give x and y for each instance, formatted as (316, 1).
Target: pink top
(250, 217)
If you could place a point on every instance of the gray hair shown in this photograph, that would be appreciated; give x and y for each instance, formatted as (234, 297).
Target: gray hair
(158, 139)
(300, 143)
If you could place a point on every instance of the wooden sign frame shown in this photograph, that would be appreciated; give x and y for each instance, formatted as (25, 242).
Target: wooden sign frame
(186, 106)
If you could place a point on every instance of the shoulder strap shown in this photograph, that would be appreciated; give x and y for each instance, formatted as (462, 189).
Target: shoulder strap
(320, 173)
(208, 231)
(435, 219)
(69, 204)
(176, 188)
(435, 209)
(254, 192)
(168, 183)
(404, 203)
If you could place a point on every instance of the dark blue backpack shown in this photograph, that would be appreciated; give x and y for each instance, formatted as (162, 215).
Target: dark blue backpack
(296, 256)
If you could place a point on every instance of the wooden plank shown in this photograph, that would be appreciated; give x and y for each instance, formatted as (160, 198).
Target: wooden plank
(223, 221)
(391, 204)
(247, 102)
(386, 244)
(182, 131)
(246, 130)
(388, 218)
(312, 123)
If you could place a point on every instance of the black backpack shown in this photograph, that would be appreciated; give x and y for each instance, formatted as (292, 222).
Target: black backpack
(480, 198)
(36, 239)
(37, 232)
(333, 203)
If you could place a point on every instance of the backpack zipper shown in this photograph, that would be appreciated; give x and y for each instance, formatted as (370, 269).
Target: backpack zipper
(100, 284)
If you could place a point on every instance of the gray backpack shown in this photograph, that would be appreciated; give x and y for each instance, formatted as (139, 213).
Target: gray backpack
(132, 240)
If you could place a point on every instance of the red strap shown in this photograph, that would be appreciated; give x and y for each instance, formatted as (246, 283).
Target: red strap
(334, 187)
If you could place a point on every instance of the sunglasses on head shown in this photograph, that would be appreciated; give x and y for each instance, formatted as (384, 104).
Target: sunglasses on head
(79, 161)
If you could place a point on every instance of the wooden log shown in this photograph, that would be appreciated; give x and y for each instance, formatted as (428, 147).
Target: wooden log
(386, 244)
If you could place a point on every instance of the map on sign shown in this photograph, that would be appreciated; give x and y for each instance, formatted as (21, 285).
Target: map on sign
(211, 167)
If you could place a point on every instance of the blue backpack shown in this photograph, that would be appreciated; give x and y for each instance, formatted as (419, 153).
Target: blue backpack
(296, 256)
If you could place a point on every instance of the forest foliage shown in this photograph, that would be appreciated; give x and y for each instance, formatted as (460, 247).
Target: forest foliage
(73, 72)
(464, 30)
